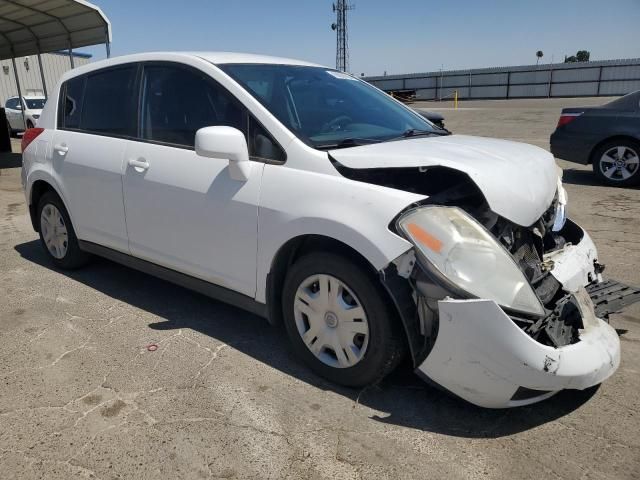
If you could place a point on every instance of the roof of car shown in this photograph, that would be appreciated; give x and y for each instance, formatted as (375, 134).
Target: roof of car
(232, 57)
(216, 58)
(29, 97)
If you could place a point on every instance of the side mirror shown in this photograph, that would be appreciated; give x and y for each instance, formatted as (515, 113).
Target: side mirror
(18, 107)
(225, 142)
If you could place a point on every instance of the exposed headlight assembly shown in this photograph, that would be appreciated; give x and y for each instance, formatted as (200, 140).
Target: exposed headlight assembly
(468, 256)
(561, 211)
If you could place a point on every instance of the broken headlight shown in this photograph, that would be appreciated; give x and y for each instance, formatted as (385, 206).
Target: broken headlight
(467, 255)
(560, 216)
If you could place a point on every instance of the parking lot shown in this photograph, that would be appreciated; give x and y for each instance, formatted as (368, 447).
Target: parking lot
(81, 395)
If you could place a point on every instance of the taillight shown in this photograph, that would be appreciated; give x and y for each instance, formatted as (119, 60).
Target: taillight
(29, 136)
(566, 118)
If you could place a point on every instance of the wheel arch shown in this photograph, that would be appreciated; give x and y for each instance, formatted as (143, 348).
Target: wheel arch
(612, 138)
(294, 249)
(38, 188)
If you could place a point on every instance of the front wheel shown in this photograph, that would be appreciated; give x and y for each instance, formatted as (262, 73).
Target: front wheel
(57, 234)
(339, 320)
(618, 163)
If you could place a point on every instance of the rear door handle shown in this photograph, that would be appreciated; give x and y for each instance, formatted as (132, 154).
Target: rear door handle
(61, 148)
(140, 165)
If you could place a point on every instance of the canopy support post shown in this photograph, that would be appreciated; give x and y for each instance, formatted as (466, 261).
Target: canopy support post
(15, 72)
(42, 77)
(107, 43)
(71, 56)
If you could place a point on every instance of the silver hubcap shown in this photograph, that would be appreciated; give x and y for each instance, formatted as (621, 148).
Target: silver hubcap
(54, 231)
(619, 163)
(331, 321)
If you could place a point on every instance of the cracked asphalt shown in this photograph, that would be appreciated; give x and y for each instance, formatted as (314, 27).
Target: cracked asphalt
(82, 395)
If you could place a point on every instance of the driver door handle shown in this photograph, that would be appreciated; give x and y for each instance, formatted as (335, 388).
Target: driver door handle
(140, 164)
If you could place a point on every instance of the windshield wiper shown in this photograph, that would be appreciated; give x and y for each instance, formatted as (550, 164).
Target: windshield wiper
(346, 143)
(414, 132)
(356, 142)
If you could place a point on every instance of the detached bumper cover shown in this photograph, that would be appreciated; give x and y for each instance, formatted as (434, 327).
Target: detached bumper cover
(482, 356)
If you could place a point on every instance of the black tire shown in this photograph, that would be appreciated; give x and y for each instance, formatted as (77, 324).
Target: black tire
(74, 257)
(29, 124)
(386, 345)
(601, 163)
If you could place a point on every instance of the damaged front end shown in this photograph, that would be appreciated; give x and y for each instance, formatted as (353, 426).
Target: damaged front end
(502, 332)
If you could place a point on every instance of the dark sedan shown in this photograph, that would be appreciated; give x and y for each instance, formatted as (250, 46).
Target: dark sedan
(608, 137)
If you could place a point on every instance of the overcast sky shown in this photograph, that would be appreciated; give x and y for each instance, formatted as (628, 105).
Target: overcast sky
(393, 36)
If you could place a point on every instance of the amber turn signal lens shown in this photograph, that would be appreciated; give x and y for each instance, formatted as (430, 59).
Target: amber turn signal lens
(425, 238)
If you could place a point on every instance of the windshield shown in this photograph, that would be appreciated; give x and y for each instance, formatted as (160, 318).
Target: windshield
(35, 104)
(326, 108)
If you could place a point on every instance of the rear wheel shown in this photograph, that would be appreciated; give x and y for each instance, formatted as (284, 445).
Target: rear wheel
(57, 235)
(29, 124)
(339, 322)
(618, 163)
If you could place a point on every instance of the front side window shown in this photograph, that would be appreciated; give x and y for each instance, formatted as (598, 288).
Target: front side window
(109, 102)
(12, 103)
(326, 108)
(177, 102)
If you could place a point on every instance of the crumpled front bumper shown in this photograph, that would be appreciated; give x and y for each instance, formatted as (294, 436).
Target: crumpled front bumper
(482, 356)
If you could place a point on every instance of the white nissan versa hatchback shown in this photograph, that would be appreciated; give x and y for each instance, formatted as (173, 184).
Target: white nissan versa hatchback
(309, 197)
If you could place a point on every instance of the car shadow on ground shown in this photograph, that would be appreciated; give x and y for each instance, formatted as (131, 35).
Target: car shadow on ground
(406, 400)
(575, 176)
(10, 160)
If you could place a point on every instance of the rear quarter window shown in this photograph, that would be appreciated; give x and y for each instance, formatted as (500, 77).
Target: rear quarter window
(71, 101)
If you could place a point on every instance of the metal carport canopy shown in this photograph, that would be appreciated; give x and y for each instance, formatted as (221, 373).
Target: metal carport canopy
(30, 27)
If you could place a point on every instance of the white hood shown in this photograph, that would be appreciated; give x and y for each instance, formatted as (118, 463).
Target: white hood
(518, 180)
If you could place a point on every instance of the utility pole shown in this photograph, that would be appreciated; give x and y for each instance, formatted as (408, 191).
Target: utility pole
(341, 7)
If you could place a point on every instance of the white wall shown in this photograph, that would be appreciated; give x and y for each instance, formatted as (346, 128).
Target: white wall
(54, 65)
(601, 77)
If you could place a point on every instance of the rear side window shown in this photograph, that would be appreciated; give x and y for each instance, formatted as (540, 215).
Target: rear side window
(71, 103)
(176, 102)
(109, 106)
